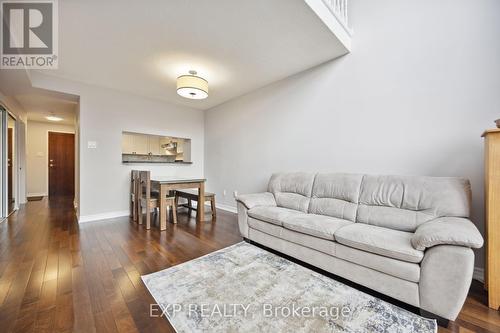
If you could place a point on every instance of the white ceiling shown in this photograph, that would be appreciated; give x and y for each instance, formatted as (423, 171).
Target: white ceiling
(142, 46)
(37, 103)
(40, 106)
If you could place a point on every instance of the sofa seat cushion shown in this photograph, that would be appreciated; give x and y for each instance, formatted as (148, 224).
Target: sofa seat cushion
(386, 242)
(274, 215)
(401, 269)
(315, 225)
(315, 243)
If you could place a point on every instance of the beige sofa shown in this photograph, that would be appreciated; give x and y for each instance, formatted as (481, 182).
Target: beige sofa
(407, 237)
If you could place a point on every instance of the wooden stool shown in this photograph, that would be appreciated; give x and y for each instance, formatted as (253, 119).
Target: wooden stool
(150, 200)
(192, 195)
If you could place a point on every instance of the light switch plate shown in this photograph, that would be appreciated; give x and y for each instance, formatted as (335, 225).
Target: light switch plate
(91, 144)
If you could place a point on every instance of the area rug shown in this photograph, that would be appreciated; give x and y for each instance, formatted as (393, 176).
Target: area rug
(243, 288)
(35, 198)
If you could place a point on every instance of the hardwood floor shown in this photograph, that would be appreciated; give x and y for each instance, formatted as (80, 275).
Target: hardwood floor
(58, 276)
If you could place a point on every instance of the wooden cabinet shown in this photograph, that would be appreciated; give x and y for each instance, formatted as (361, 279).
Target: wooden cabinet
(127, 143)
(154, 145)
(492, 201)
(154, 148)
(141, 144)
(180, 150)
(135, 144)
(180, 146)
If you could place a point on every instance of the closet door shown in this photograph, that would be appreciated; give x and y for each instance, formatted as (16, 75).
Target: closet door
(3, 162)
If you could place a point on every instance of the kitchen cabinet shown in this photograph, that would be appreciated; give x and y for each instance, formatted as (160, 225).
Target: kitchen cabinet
(141, 144)
(154, 145)
(144, 148)
(135, 144)
(127, 143)
(180, 146)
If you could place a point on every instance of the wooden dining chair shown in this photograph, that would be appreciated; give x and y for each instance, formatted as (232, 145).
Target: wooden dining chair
(150, 200)
(134, 198)
(192, 195)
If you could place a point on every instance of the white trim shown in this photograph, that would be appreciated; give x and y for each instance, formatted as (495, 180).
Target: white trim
(227, 208)
(478, 274)
(15, 165)
(220, 206)
(103, 216)
(331, 20)
(15, 155)
(111, 215)
(36, 195)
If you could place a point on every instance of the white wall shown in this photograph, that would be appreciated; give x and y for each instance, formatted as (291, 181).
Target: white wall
(13, 81)
(103, 115)
(413, 97)
(37, 154)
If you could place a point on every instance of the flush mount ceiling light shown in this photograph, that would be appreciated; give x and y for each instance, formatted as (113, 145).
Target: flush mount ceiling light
(53, 118)
(192, 86)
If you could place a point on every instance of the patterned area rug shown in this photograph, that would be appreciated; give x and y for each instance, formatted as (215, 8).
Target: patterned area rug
(244, 288)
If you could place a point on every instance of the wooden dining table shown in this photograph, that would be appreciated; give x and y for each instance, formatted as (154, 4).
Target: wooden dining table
(166, 184)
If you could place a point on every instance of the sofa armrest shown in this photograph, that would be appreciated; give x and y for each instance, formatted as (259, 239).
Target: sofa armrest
(447, 230)
(244, 202)
(256, 199)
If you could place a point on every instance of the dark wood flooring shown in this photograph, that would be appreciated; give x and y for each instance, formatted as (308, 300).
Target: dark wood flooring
(58, 276)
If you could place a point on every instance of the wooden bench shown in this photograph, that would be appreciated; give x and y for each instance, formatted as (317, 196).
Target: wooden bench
(192, 195)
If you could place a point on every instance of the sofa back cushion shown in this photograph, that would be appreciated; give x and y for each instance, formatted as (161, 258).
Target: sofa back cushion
(336, 194)
(405, 202)
(292, 190)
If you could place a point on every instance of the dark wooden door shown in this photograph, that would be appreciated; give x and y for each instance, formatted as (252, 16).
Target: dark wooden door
(61, 164)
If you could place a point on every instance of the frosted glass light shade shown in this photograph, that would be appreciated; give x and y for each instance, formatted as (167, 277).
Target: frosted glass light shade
(192, 86)
(53, 118)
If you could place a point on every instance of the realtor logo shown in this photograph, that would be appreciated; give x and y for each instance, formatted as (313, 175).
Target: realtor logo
(29, 34)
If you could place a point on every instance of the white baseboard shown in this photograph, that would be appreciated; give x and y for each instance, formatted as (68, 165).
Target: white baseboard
(103, 216)
(112, 215)
(36, 194)
(227, 208)
(478, 274)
